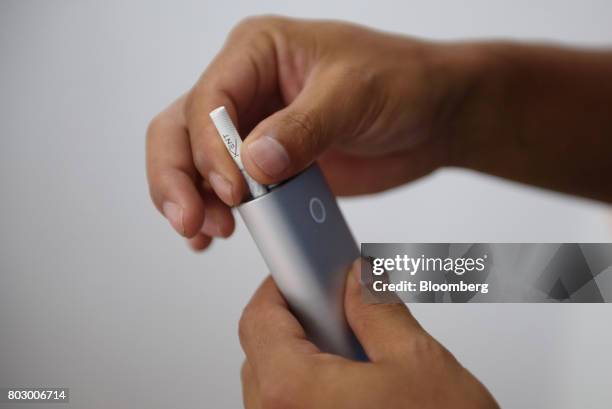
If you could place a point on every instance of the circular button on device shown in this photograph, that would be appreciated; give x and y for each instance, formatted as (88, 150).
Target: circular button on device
(317, 210)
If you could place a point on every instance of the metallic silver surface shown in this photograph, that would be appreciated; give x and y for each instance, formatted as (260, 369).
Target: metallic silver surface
(309, 248)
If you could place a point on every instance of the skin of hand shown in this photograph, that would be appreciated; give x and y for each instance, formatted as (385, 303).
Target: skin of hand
(370, 106)
(378, 110)
(408, 368)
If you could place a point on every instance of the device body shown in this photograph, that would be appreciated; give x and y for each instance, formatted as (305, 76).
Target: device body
(308, 248)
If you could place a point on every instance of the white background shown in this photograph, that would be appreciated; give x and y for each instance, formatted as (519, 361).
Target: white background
(99, 295)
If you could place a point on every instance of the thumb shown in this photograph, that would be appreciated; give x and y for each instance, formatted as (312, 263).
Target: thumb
(291, 139)
(384, 330)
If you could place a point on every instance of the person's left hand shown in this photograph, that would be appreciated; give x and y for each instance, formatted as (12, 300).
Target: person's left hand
(408, 368)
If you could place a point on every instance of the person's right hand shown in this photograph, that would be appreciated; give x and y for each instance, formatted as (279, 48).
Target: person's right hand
(373, 108)
(407, 367)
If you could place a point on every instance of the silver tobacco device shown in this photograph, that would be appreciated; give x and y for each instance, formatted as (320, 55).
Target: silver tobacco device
(308, 247)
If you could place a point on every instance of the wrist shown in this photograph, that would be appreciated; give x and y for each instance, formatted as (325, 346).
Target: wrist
(472, 102)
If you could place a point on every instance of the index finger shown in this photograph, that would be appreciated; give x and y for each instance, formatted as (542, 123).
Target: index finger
(242, 78)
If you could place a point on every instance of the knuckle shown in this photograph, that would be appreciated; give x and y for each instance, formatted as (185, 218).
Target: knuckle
(358, 77)
(425, 346)
(375, 312)
(155, 125)
(308, 127)
(281, 394)
(391, 310)
(262, 21)
(246, 322)
(158, 182)
(258, 24)
(189, 105)
(200, 161)
(243, 325)
(245, 373)
(249, 23)
(353, 72)
(422, 343)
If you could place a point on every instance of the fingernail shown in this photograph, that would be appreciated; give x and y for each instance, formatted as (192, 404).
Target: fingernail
(174, 214)
(222, 187)
(269, 155)
(210, 227)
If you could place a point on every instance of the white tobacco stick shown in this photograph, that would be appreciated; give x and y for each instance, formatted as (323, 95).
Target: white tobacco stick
(231, 139)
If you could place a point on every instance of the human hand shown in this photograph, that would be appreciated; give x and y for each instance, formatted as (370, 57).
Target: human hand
(371, 106)
(408, 368)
